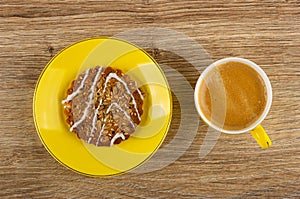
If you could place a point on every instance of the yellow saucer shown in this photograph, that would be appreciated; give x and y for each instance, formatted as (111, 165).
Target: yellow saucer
(64, 145)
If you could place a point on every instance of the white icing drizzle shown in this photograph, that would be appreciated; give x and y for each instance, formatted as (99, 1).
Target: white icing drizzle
(94, 123)
(100, 134)
(89, 140)
(122, 110)
(114, 75)
(103, 125)
(139, 92)
(117, 135)
(74, 94)
(90, 100)
(110, 76)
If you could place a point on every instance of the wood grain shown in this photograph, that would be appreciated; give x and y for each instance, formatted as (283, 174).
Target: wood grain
(267, 32)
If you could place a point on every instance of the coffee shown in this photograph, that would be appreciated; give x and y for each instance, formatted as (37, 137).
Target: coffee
(232, 95)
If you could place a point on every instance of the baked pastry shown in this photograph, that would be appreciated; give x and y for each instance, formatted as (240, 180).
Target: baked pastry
(103, 106)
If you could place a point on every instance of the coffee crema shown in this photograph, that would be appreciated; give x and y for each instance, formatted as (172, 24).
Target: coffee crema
(232, 96)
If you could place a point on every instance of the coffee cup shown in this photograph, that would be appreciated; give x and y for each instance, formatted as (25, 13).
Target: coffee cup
(234, 95)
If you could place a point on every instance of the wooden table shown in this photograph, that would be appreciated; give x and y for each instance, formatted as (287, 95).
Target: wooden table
(267, 32)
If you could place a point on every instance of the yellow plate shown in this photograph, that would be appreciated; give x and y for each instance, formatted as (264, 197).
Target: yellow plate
(49, 119)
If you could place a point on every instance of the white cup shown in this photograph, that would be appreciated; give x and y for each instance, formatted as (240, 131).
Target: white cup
(255, 128)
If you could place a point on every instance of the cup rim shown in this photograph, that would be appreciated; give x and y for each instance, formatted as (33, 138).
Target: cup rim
(258, 70)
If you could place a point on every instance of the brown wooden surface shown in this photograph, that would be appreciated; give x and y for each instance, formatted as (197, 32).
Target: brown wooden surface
(267, 32)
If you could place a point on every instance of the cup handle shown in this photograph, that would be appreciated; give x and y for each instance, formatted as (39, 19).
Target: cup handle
(261, 137)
